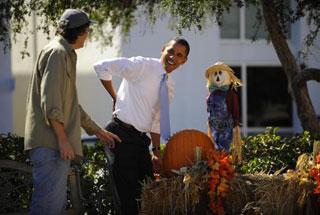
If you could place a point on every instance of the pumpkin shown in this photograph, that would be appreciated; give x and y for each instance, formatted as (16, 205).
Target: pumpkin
(180, 150)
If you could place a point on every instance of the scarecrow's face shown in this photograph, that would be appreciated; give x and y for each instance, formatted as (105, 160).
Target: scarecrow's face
(220, 78)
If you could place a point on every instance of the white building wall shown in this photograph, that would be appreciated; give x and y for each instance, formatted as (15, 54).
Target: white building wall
(6, 88)
(92, 95)
(188, 109)
(21, 70)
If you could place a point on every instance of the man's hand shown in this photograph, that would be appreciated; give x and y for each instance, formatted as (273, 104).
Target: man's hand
(155, 156)
(66, 151)
(156, 162)
(108, 137)
(114, 105)
(108, 85)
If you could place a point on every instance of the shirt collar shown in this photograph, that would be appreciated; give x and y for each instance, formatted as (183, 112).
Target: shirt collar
(65, 44)
(163, 70)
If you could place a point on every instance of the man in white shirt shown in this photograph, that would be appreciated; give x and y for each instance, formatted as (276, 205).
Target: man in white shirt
(137, 112)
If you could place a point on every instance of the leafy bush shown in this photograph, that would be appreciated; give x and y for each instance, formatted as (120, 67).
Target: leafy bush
(15, 185)
(94, 177)
(95, 180)
(11, 148)
(269, 152)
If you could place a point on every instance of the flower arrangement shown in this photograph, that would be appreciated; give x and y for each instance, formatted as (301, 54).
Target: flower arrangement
(221, 171)
(315, 173)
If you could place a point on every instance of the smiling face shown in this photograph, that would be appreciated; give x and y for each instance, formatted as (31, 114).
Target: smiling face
(173, 55)
(220, 78)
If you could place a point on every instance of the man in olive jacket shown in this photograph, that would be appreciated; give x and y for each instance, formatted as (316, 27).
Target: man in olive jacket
(54, 117)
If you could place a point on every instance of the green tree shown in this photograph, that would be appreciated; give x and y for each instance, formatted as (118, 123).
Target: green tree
(187, 14)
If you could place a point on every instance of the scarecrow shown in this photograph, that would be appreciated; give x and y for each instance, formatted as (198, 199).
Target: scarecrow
(223, 107)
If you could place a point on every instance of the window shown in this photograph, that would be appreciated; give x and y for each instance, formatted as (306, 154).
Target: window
(263, 99)
(241, 23)
(269, 103)
(252, 28)
(237, 72)
(230, 28)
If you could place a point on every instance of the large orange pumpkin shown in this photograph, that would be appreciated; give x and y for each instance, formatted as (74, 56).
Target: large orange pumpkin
(180, 149)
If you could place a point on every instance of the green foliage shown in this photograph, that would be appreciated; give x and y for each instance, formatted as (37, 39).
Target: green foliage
(15, 186)
(269, 152)
(11, 148)
(95, 180)
(186, 14)
(14, 16)
(194, 13)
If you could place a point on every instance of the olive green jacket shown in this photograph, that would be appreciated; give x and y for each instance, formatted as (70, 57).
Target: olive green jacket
(52, 94)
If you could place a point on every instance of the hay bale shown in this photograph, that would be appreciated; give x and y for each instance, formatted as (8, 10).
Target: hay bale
(167, 196)
(269, 194)
(273, 194)
(181, 194)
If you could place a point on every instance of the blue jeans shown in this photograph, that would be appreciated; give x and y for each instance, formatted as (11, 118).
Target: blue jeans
(50, 174)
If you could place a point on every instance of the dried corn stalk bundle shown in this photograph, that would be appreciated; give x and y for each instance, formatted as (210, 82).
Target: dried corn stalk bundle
(176, 195)
(272, 194)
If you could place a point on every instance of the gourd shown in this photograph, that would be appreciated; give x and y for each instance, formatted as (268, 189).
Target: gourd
(181, 147)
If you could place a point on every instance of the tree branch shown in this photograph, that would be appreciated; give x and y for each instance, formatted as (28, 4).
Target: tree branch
(310, 74)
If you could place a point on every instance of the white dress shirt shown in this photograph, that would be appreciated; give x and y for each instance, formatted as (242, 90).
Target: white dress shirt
(137, 100)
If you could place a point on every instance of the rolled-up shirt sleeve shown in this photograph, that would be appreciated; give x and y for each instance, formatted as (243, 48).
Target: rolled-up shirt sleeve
(128, 68)
(87, 123)
(51, 87)
(155, 127)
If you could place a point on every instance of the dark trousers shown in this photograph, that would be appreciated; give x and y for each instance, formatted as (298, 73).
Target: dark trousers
(132, 164)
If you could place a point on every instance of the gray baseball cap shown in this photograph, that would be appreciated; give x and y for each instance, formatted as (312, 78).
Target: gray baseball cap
(73, 18)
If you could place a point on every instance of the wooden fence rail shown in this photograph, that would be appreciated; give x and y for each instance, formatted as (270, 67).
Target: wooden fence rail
(16, 188)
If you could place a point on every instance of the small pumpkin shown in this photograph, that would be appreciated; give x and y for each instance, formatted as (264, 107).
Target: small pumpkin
(180, 149)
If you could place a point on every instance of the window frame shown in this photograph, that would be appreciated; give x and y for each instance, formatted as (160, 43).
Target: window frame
(245, 128)
(242, 34)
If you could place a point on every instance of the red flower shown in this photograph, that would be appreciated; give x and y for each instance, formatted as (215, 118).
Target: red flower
(315, 173)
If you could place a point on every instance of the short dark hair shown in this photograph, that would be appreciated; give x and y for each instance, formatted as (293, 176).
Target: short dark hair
(72, 34)
(180, 41)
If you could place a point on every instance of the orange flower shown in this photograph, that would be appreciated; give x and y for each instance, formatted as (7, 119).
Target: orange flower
(317, 190)
(318, 159)
(221, 172)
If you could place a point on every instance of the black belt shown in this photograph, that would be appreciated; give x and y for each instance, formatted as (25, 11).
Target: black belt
(128, 126)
